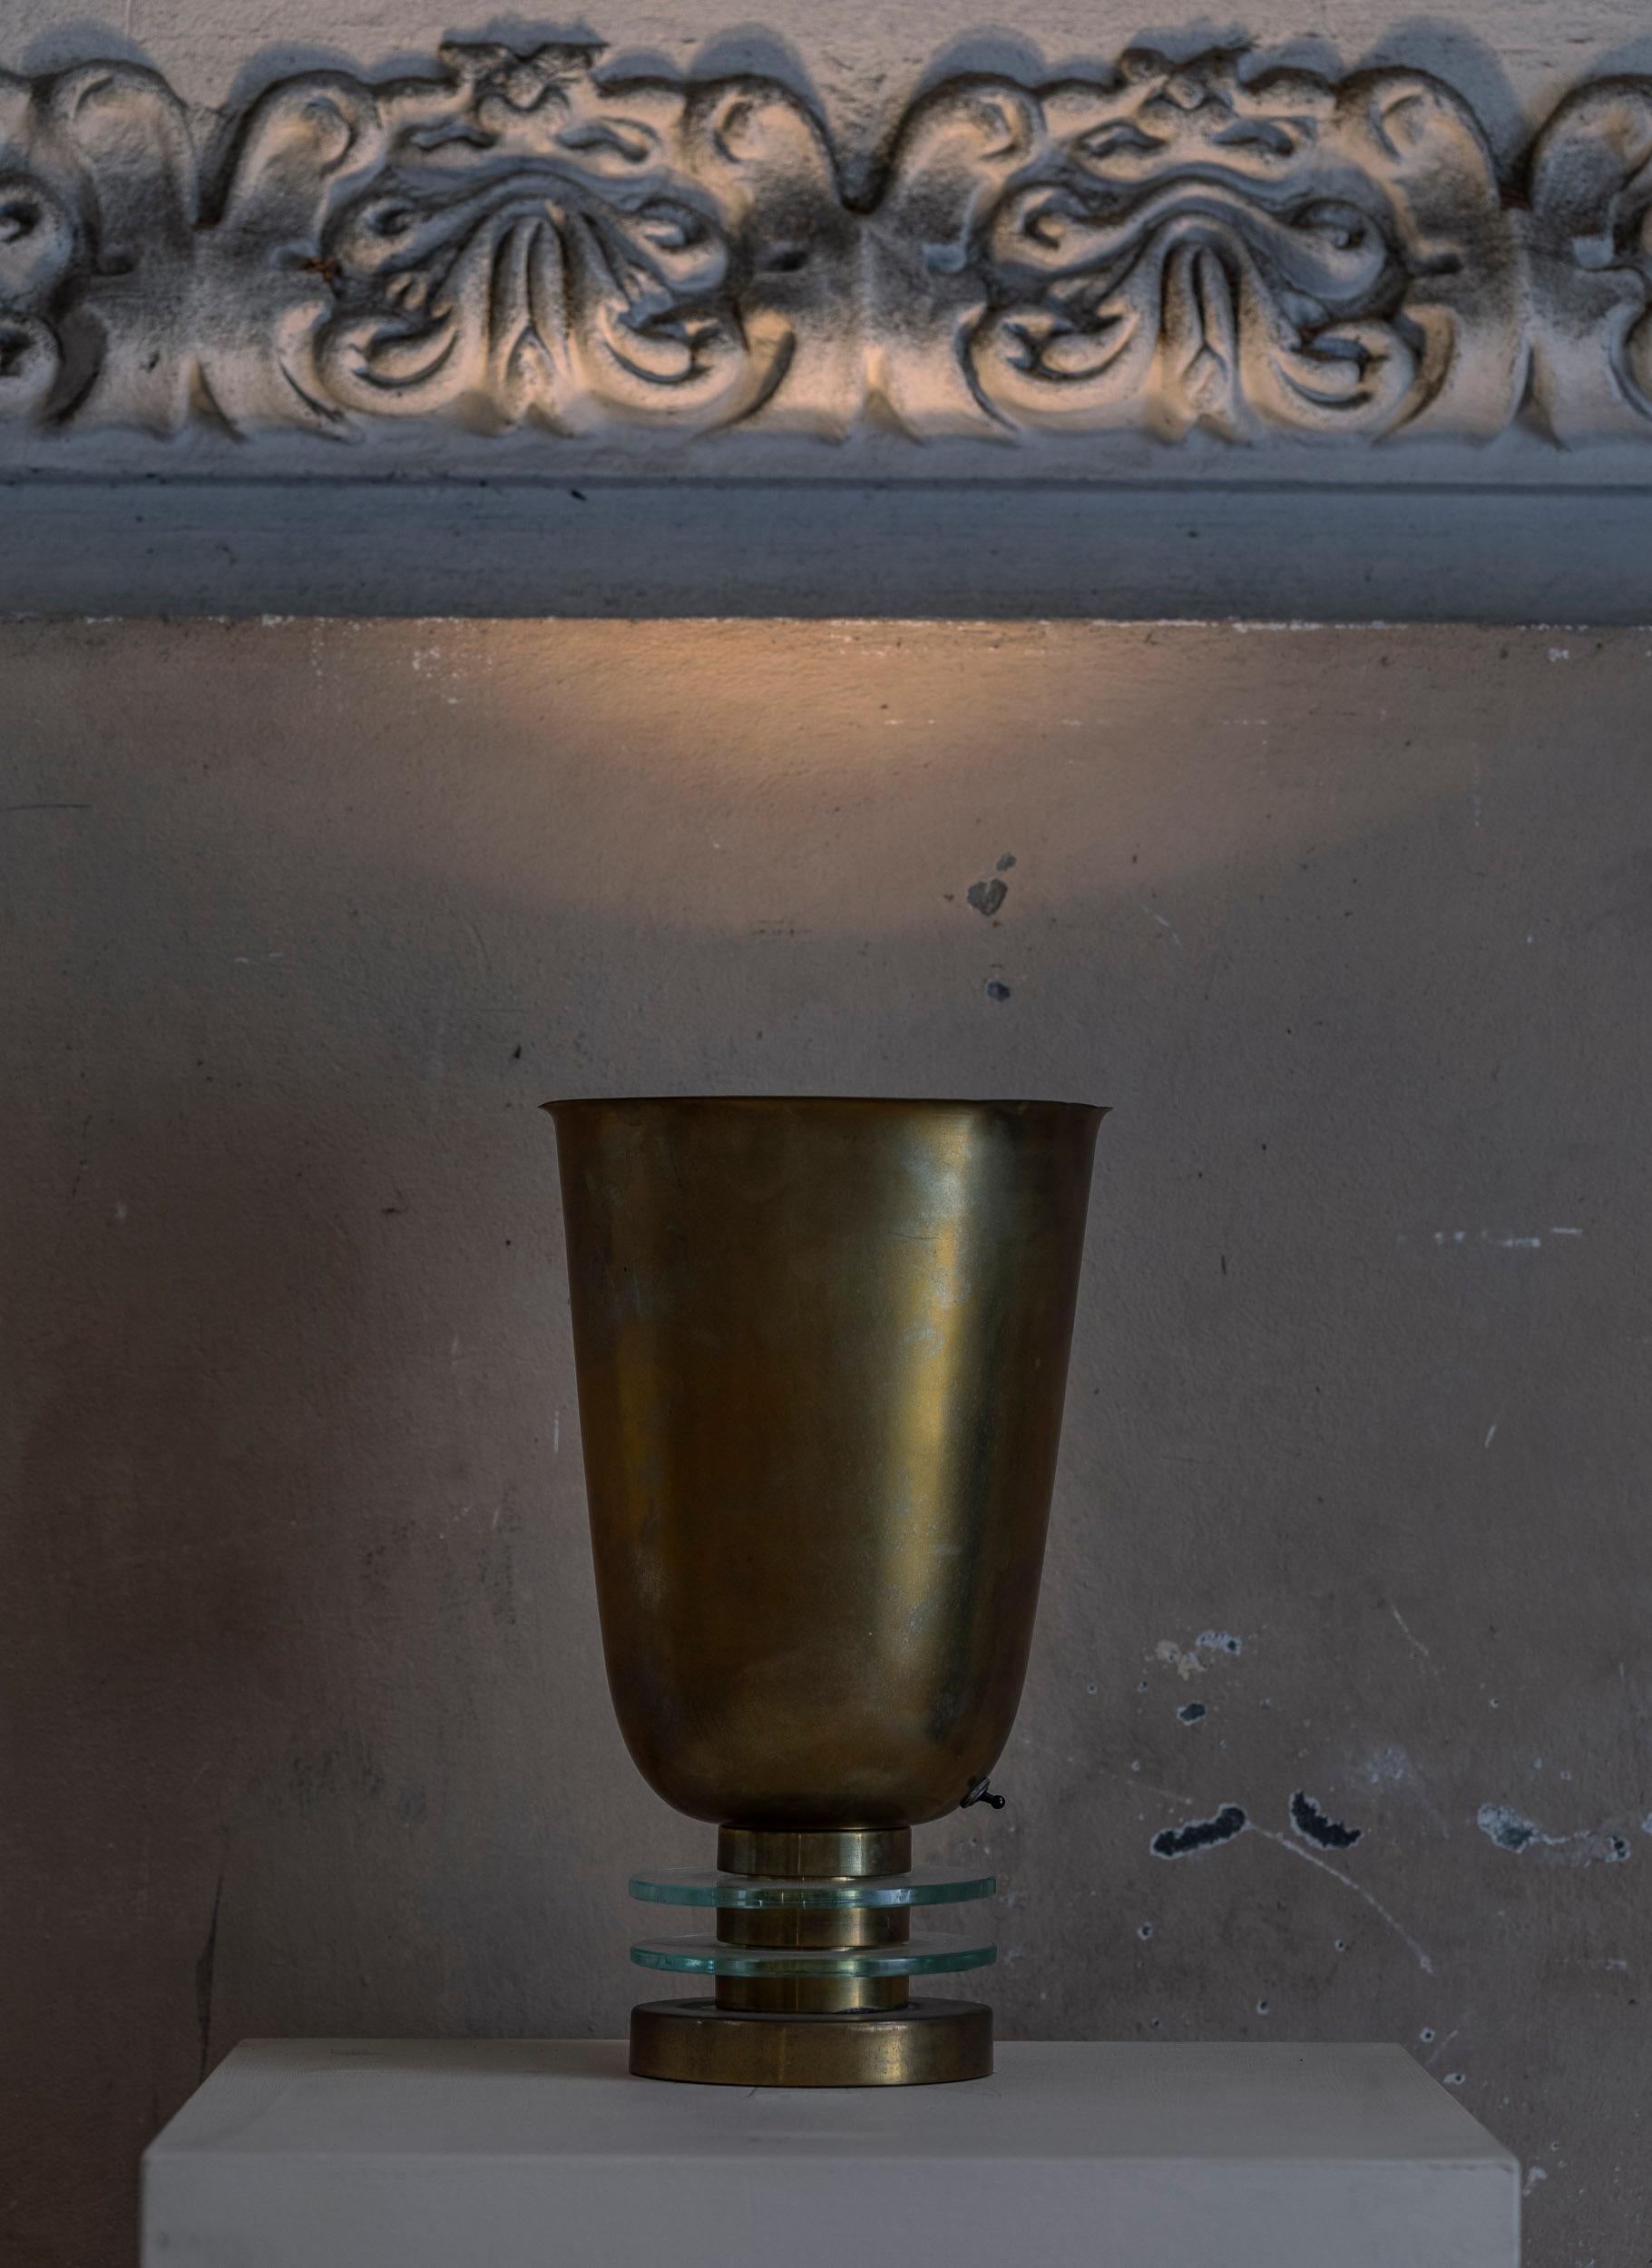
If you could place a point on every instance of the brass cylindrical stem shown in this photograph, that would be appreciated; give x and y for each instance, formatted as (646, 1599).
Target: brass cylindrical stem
(827, 1996)
(802, 1853)
(823, 1927)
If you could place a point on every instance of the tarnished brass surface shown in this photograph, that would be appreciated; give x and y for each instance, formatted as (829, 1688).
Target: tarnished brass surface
(828, 1926)
(784, 1853)
(925, 2042)
(920, 1889)
(822, 1350)
(822, 1347)
(816, 1995)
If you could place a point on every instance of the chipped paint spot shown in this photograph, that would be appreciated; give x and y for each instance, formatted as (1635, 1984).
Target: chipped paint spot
(1585, 1846)
(1506, 1828)
(1314, 1825)
(1191, 1662)
(1199, 1834)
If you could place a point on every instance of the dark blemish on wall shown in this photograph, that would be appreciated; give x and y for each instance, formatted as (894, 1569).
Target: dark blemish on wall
(1314, 1825)
(1616, 1849)
(1146, 1930)
(1219, 1642)
(996, 990)
(1006, 862)
(516, 1052)
(312, 1777)
(1190, 1712)
(204, 1967)
(987, 897)
(1199, 1834)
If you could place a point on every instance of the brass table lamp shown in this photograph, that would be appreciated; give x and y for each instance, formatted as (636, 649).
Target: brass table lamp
(822, 1350)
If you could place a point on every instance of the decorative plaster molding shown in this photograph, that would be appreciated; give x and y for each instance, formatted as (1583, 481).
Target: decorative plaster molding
(521, 241)
(1590, 248)
(1190, 247)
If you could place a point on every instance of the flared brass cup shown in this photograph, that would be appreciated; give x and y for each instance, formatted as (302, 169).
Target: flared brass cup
(822, 1351)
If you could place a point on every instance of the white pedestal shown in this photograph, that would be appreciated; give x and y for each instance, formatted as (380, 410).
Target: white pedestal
(543, 2154)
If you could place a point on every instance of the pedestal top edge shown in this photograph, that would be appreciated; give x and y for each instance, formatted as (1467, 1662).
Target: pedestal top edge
(1096, 2102)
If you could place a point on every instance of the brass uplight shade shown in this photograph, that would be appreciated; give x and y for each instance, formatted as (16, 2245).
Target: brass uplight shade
(822, 1349)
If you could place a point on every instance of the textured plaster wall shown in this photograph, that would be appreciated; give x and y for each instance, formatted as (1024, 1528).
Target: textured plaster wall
(304, 1724)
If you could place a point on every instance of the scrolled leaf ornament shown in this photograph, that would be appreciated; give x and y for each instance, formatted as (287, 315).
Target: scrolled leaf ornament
(545, 248)
(132, 312)
(37, 241)
(1590, 198)
(1205, 251)
(96, 184)
(1185, 245)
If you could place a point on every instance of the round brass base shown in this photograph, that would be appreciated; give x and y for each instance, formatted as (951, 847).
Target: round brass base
(920, 2045)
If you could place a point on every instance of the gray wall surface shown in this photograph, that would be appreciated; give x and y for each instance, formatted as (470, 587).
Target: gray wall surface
(303, 1719)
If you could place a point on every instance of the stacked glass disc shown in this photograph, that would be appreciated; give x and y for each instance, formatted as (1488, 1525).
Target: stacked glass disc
(812, 1945)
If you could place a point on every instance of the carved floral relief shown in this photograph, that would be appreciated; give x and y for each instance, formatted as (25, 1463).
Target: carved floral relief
(522, 243)
(528, 239)
(1590, 221)
(1188, 247)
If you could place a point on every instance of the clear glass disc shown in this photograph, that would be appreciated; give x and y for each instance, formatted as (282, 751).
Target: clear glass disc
(923, 1955)
(924, 1886)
